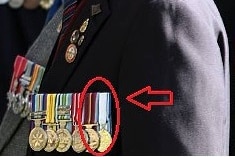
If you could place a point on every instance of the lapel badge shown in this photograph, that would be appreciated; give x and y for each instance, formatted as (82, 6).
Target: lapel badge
(81, 39)
(74, 36)
(84, 26)
(95, 9)
(71, 53)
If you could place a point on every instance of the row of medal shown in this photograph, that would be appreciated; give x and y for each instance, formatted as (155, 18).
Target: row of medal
(55, 121)
(28, 4)
(26, 80)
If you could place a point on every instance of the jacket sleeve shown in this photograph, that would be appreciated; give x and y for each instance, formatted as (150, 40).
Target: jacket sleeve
(181, 46)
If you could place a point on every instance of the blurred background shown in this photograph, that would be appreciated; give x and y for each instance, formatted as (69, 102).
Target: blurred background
(22, 21)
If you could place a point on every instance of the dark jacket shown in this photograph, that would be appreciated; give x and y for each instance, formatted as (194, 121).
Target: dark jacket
(166, 44)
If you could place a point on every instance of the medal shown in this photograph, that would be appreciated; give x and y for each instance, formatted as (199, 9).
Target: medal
(77, 144)
(37, 136)
(53, 140)
(29, 86)
(17, 107)
(90, 120)
(65, 138)
(104, 110)
(22, 96)
(15, 4)
(71, 53)
(26, 103)
(19, 68)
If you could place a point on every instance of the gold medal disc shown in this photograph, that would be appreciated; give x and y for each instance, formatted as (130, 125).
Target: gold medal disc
(105, 140)
(77, 144)
(37, 139)
(94, 139)
(65, 140)
(52, 141)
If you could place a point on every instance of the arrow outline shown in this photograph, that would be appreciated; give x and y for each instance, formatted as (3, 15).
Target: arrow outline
(150, 92)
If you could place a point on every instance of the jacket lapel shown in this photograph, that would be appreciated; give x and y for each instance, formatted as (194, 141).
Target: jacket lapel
(8, 127)
(97, 11)
(39, 53)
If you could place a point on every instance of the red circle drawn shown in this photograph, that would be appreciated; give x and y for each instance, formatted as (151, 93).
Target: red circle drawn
(117, 105)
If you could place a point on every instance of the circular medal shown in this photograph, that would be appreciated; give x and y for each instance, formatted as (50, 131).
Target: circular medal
(31, 4)
(105, 140)
(16, 3)
(94, 139)
(65, 140)
(46, 4)
(3, 1)
(77, 144)
(71, 53)
(52, 141)
(37, 139)
(18, 106)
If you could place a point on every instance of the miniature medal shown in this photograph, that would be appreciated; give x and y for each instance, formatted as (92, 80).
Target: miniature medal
(90, 109)
(37, 136)
(77, 145)
(65, 138)
(105, 137)
(53, 140)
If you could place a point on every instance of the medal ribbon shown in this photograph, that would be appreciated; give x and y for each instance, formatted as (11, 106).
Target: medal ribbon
(26, 77)
(34, 78)
(19, 67)
(104, 110)
(91, 108)
(75, 108)
(37, 83)
(50, 108)
(109, 115)
(68, 116)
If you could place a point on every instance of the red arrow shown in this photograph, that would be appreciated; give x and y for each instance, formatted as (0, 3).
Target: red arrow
(148, 89)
